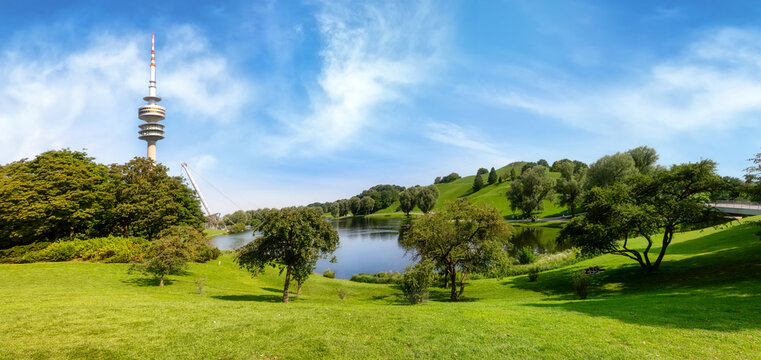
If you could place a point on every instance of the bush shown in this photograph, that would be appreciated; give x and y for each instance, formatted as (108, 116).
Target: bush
(546, 262)
(378, 278)
(14, 254)
(206, 253)
(525, 255)
(108, 249)
(329, 274)
(533, 273)
(199, 246)
(416, 280)
(237, 228)
(341, 293)
(581, 283)
(200, 283)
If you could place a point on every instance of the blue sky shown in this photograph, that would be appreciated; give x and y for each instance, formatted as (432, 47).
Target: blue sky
(281, 103)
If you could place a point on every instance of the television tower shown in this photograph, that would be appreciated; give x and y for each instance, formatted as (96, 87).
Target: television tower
(151, 112)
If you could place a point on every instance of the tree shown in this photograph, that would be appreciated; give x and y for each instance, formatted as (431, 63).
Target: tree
(492, 176)
(528, 192)
(416, 280)
(427, 198)
(59, 193)
(611, 169)
(449, 178)
(239, 216)
(558, 163)
(461, 237)
(367, 205)
(236, 228)
(148, 200)
(513, 176)
(293, 239)
(478, 183)
(170, 254)
(482, 171)
(335, 209)
(344, 204)
(644, 159)
(543, 163)
(437, 180)
(355, 205)
(644, 206)
(408, 200)
(570, 187)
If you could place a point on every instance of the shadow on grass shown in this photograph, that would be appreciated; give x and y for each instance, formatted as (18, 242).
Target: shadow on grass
(147, 281)
(715, 289)
(280, 291)
(255, 298)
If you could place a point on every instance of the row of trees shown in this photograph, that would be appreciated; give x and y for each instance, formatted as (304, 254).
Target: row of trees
(64, 193)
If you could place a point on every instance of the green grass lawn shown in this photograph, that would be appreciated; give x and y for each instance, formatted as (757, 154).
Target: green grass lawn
(704, 303)
(214, 232)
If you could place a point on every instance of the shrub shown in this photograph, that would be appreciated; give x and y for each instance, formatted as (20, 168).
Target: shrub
(196, 242)
(581, 283)
(206, 253)
(533, 273)
(416, 280)
(107, 249)
(166, 256)
(525, 255)
(237, 228)
(546, 262)
(341, 293)
(14, 254)
(378, 278)
(329, 274)
(200, 283)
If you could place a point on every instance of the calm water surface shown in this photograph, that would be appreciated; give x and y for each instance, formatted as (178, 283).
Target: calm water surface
(371, 245)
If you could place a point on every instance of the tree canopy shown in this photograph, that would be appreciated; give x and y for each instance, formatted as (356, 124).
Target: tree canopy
(292, 239)
(528, 192)
(461, 237)
(611, 169)
(644, 206)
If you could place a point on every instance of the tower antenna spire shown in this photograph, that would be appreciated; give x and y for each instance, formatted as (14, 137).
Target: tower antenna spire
(151, 131)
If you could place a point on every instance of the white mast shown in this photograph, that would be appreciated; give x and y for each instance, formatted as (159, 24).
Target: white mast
(211, 216)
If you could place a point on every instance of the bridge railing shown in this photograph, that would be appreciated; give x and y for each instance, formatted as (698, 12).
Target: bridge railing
(737, 204)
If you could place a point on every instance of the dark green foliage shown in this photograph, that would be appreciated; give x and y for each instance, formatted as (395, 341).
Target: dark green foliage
(525, 255)
(378, 278)
(426, 198)
(416, 280)
(581, 283)
(237, 228)
(293, 239)
(644, 206)
(168, 255)
(492, 176)
(383, 196)
(197, 243)
(108, 249)
(527, 166)
(644, 159)
(329, 274)
(449, 178)
(408, 200)
(16, 253)
(513, 174)
(571, 185)
(732, 189)
(342, 293)
(478, 183)
(238, 217)
(482, 171)
(58, 194)
(367, 205)
(533, 273)
(559, 163)
(611, 169)
(355, 205)
(335, 209)
(528, 192)
(543, 163)
(437, 180)
(461, 237)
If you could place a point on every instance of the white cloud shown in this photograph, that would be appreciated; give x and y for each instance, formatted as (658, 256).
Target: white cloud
(714, 85)
(453, 134)
(88, 98)
(372, 55)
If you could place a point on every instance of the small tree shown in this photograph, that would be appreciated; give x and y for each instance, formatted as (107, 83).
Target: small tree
(528, 192)
(543, 163)
(168, 255)
(427, 198)
(571, 185)
(416, 280)
(513, 176)
(408, 200)
(461, 237)
(368, 205)
(335, 209)
(493, 176)
(293, 239)
(478, 183)
(482, 171)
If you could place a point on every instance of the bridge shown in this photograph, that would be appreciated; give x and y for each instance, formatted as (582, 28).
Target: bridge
(737, 207)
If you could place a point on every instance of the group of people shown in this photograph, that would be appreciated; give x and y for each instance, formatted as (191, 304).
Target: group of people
(593, 270)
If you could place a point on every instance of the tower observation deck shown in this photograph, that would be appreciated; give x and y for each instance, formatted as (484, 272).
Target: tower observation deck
(151, 131)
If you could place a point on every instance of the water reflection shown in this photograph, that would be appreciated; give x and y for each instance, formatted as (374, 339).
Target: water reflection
(541, 239)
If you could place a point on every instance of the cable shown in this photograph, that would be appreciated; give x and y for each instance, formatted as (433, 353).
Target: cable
(215, 188)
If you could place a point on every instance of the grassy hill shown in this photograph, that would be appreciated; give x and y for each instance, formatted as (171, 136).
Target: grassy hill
(704, 303)
(493, 195)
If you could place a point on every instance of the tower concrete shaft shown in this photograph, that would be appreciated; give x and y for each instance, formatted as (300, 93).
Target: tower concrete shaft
(152, 131)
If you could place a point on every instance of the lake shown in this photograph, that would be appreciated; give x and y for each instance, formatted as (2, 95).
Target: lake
(370, 245)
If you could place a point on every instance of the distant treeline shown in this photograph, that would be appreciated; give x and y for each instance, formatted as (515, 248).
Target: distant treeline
(65, 194)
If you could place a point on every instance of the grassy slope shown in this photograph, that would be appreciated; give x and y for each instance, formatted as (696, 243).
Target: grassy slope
(493, 195)
(704, 303)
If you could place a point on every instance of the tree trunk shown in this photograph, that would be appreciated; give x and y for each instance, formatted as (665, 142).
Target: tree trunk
(446, 279)
(453, 284)
(161, 281)
(573, 208)
(287, 280)
(462, 284)
(298, 291)
(669, 234)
